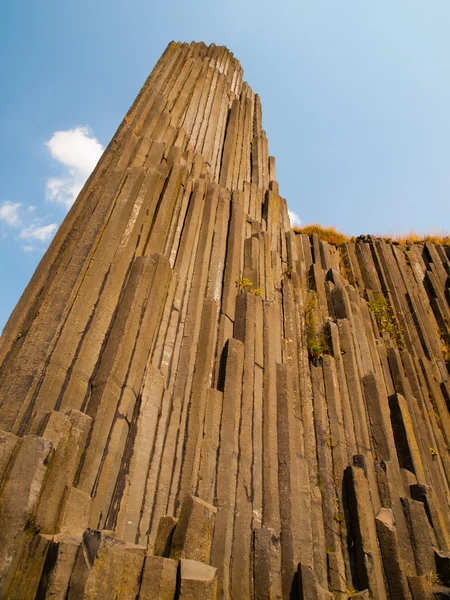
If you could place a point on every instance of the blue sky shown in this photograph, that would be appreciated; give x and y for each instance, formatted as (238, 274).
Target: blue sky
(355, 94)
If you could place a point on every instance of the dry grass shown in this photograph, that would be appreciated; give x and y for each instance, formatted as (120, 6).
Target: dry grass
(337, 238)
(412, 237)
(328, 234)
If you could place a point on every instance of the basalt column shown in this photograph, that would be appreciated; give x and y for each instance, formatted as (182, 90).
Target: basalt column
(197, 402)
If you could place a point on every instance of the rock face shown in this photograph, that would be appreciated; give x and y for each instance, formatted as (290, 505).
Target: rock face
(198, 402)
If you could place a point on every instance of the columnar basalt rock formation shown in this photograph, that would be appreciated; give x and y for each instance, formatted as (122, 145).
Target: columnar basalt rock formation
(199, 402)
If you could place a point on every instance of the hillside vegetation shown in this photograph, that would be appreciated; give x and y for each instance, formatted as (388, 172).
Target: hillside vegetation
(331, 235)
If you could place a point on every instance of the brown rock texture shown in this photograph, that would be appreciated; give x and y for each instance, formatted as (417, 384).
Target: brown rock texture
(198, 402)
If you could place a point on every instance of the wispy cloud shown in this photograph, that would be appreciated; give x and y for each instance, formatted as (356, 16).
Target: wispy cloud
(78, 152)
(41, 233)
(31, 230)
(294, 218)
(9, 213)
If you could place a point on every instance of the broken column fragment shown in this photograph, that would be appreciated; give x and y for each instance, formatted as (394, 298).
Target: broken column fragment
(192, 536)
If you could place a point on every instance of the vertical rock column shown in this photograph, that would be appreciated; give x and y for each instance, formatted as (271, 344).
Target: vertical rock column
(198, 402)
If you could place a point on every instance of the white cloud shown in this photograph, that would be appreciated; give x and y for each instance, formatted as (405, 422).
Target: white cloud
(294, 218)
(63, 191)
(31, 208)
(42, 233)
(9, 213)
(78, 152)
(28, 248)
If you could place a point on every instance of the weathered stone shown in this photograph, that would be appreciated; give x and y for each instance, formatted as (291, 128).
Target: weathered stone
(378, 409)
(74, 514)
(227, 462)
(159, 578)
(8, 443)
(197, 580)
(405, 439)
(368, 560)
(424, 494)
(295, 533)
(267, 564)
(420, 531)
(130, 507)
(117, 566)
(19, 496)
(84, 561)
(58, 568)
(420, 587)
(210, 445)
(164, 536)
(309, 589)
(390, 552)
(193, 533)
(28, 570)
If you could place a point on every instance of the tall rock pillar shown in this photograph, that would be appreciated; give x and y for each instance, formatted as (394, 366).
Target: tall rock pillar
(197, 402)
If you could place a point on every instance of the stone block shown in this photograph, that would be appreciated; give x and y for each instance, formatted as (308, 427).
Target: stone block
(58, 567)
(8, 442)
(379, 417)
(391, 555)
(425, 494)
(159, 579)
(84, 561)
(197, 580)
(20, 493)
(24, 580)
(420, 587)
(367, 554)
(405, 439)
(193, 534)
(117, 566)
(421, 535)
(267, 564)
(308, 587)
(74, 514)
(227, 460)
(68, 435)
(164, 536)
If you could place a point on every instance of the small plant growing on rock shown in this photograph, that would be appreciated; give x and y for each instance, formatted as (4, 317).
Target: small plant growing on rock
(435, 579)
(243, 283)
(329, 442)
(386, 320)
(318, 346)
(339, 520)
(445, 345)
(316, 337)
(319, 480)
(256, 292)
(433, 452)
